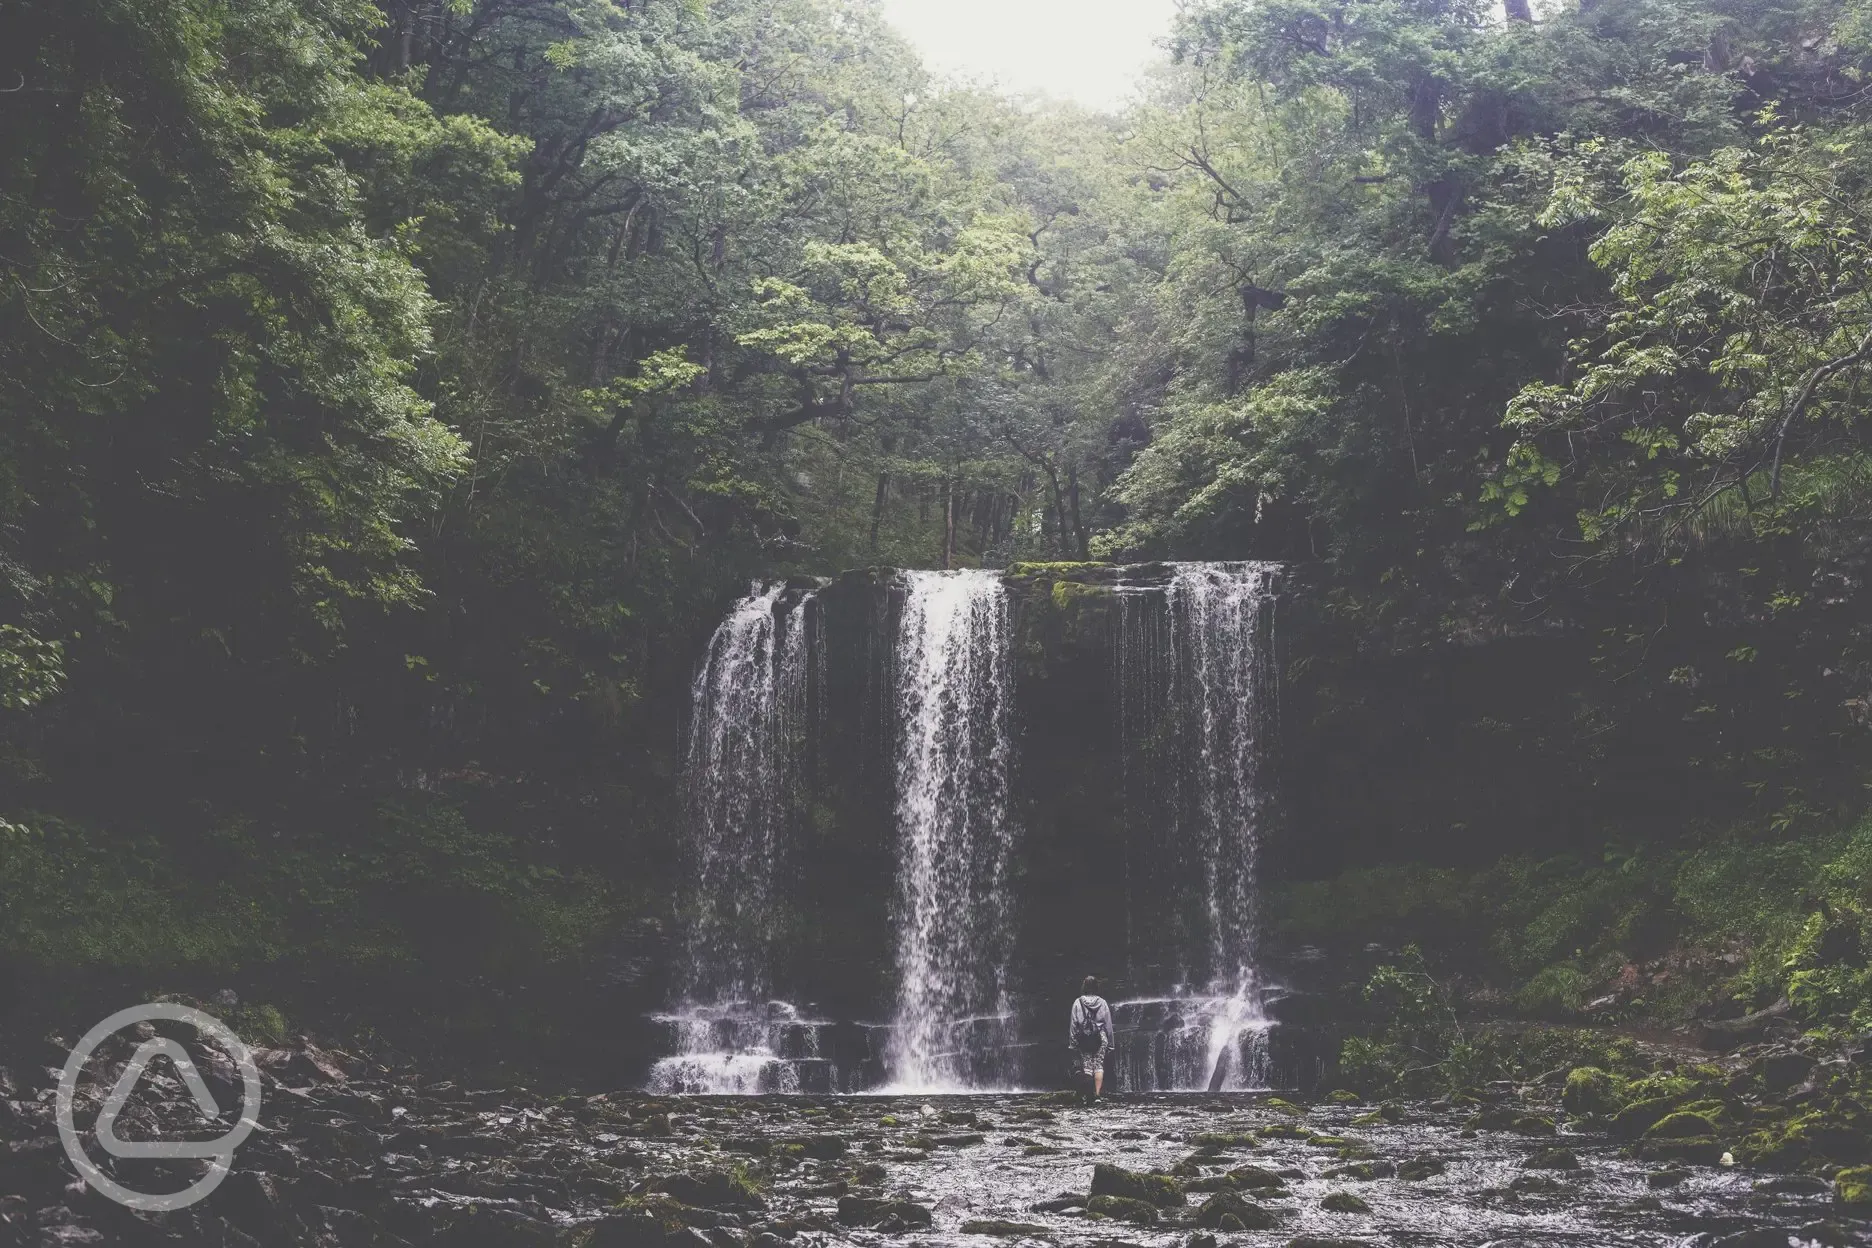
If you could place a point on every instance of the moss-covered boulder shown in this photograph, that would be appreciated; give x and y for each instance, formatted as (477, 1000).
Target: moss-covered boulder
(1153, 1189)
(1124, 1209)
(1255, 1179)
(1590, 1090)
(1419, 1168)
(1343, 1202)
(1640, 1116)
(710, 1189)
(1680, 1125)
(1853, 1187)
(1697, 1150)
(1225, 1205)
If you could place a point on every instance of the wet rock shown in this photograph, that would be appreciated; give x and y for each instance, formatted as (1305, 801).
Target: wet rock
(711, 1189)
(823, 1147)
(1853, 1187)
(1255, 1179)
(1155, 1189)
(1552, 1159)
(876, 1212)
(1364, 1171)
(1124, 1209)
(1538, 1184)
(1001, 1228)
(1059, 1204)
(1697, 1150)
(1641, 1115)
(1421, 1168)
(1507, 1118)
(1666, 1178)
(1680, 1125)
(1589, 1090)
(1782, 1069)
(1794, 1185)
(1226, 1205)
(1343, 1202)
(1754, 1237)
(1319, 1241)
(961, 1139)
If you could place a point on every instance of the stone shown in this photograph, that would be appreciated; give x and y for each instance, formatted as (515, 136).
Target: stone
(1680, 1125)
(1156, 1189)
(711, 1189)
(878, 1212)
(1343, 1202)
(1589, 1090)
(1794, 1185)
(1001, 1228)
(1666, 1178)
(1255, 1179)
(1124, 1209)
(1364, 1171)
(1852, 1187)
(1251, 1216)
(1782, 1069)
(1421, 1168)
(1552, 1159)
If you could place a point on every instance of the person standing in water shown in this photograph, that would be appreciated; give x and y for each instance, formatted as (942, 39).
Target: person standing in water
(1089, 1034)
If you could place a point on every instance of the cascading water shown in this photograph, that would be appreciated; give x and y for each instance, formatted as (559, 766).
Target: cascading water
(1218, 690)
(747, 755)
(954, 692)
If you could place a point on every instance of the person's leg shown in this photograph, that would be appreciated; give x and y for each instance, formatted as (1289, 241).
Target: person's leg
(1098, 1074)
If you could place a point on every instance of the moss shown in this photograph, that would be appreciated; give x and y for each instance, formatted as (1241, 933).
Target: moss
(1639, 1116)
(1343, 1202)
(259, 1024)
(1344, 1096)
(1280, 1106)
(1853, 1187)
(1590, 1090)
(1158, 1189)
(1680, 1125)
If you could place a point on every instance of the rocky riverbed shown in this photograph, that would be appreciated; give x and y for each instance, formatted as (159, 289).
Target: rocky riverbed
(351, 1153)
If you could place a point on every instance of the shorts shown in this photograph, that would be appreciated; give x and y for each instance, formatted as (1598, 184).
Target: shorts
(1093, 1063)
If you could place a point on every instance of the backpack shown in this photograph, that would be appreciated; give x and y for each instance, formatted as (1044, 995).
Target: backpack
(1087, 1034)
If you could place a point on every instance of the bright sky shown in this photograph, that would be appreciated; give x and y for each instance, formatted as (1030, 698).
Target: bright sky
(1086, 50)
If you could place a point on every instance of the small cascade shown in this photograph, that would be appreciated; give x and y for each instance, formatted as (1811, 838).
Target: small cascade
(1190, 1042)
(954, 827)
(747, 1049)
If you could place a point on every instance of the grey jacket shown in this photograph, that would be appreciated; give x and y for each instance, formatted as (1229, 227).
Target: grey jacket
(1100, 1013)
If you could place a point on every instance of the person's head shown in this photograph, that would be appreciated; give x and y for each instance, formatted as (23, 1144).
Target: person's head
(1089, 985)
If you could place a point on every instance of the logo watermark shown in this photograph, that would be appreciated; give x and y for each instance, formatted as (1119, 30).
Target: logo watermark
(219, 1153)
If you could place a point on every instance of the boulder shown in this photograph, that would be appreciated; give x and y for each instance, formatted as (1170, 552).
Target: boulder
(1124, 1209)
(1343, 1202)
(1589, 1090)
(710, 1189)
(1155, 1189)
(1250, 1216)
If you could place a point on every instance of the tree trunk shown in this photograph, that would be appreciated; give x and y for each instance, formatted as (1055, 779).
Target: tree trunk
(1518, 10)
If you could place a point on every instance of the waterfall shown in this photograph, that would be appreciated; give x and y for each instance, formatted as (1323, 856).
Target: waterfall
(1221, 617)
(741, 777)
(954, 827)
(1222, 681)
